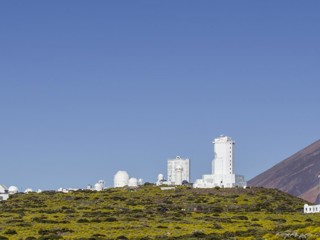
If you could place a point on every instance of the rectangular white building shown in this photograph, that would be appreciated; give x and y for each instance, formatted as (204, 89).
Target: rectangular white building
(311, 208)
(178, 170)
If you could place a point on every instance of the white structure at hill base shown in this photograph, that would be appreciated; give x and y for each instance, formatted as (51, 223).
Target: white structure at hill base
(133, 182)
(140, 182)
(222, 167)
(4, 194)
(178, 170)
(161, 180)
(28, 190)
(311, 208)
(121, 179)
(99, 186)
(13, 190)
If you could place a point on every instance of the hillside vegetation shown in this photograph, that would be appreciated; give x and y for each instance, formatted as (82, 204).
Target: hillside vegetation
(149, 213)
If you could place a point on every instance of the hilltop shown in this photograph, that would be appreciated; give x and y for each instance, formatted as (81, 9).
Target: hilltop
(296, 175)
(150, 213)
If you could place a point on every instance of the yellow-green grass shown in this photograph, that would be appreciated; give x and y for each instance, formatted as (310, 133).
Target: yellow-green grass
(149, 213)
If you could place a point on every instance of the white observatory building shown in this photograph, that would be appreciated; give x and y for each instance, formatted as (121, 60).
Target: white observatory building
(133, 182)
(99, 186)
(4, 194)
(178, 170)
(222, 167)
(121, 179)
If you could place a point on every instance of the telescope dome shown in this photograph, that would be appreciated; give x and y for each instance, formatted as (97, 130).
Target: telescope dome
(121, 179)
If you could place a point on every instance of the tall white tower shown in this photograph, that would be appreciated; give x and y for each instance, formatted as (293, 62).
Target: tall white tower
(222, 167)
(178, 170)
(223, 161)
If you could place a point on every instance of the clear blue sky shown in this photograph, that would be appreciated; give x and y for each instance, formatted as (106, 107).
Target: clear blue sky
(88, 88)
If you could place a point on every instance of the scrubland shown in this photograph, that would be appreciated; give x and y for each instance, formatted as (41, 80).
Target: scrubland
(150, 213)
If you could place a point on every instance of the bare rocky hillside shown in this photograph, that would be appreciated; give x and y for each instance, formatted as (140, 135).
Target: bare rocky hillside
(296, 175)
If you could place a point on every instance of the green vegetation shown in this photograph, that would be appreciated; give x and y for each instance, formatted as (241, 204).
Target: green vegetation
(149, 213)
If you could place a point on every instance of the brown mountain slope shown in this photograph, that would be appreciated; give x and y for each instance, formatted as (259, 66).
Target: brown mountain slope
(312, 195)
(296, 175)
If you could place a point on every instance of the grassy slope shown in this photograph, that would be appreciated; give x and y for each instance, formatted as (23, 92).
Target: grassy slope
(149, 212)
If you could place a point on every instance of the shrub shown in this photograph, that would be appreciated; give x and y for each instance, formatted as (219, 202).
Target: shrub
(198, 234)
(239, 217)
(10, 232)
(98, 235)
(217, 226)
(83, 220)
(110, 219)
(122, 238)
(160, 226)
(54, 231)
(50, 237)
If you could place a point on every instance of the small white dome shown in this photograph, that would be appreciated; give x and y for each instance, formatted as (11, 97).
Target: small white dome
(13, 190)
(160, 177)
(39, 191)
(133, 182)
(121, 179)
(28, 190)
(98, 187)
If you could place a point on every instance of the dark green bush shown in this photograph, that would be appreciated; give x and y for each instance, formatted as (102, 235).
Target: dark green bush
(198, 234)
(122, 238)
(50, 237)
(110, 219)
(83, 220)
(10, 232)
(160, 226)
(240, 217)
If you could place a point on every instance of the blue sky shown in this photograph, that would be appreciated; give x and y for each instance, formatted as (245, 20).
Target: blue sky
(89, 88)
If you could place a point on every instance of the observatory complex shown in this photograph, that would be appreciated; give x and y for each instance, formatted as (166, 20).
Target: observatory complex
(222, 174)
(222, 167)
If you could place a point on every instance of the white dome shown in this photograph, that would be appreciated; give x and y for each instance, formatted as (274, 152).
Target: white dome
(160, 177)
(28, 190)
(98, 187)
(13, 190)
(133, 182)
(39, 191)
(121, 179)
